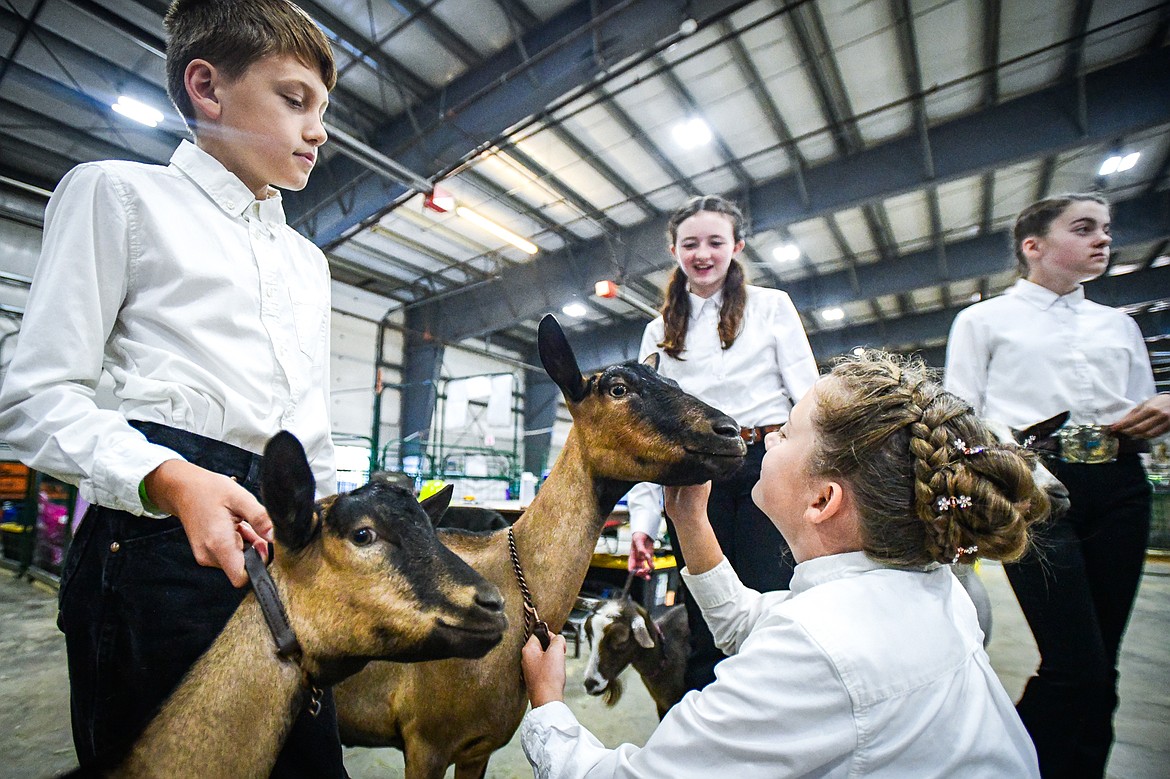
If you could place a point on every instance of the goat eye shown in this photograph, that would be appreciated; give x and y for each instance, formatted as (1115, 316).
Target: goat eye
(363, 536)
(617, 390)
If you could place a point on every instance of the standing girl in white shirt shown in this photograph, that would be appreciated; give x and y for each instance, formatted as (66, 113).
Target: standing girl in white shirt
(1037, 350)
(873, 664)
(742, 349)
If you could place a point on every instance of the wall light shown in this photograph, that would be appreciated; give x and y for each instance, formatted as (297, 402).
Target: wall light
(523, 244)
(575, 310)
(139, 112)
(786, 252)
(833, 314)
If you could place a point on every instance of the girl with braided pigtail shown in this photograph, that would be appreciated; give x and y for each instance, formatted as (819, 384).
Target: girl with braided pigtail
(872, 663)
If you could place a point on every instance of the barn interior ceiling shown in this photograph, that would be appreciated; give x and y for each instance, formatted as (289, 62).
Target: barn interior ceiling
(880, 148)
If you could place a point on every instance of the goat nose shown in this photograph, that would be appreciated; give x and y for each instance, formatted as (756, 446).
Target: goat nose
(726, 427)
(489, 600)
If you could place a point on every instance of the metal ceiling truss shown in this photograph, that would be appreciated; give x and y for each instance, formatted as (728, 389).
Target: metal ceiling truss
(1136, 222)
(503, 90)
(1121, 99)
(933, 327)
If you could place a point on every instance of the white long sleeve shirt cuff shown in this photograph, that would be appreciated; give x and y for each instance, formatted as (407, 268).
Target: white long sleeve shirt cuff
(644, 502)
(119, 468)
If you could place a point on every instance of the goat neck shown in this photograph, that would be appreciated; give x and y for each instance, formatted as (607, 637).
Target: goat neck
(203, 723)
(556, 536)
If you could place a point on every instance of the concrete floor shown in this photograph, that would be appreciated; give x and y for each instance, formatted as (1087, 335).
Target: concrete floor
(34, 716)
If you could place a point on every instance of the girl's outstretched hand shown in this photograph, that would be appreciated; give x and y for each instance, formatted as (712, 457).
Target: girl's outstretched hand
(544, 670)
(687, 505)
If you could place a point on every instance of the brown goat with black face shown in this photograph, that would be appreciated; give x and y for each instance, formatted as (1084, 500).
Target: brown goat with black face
(621, 633)
(362, 577)
(629, 425)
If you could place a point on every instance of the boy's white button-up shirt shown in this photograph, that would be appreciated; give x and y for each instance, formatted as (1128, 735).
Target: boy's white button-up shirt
(859, 670)
(206, 309)
(1030, 353)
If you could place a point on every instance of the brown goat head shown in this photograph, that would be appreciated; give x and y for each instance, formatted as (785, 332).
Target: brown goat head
(642, 427)
(365, 576)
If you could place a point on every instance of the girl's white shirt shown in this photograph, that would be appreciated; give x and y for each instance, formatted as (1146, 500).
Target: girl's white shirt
(755, 382)
(859, 670)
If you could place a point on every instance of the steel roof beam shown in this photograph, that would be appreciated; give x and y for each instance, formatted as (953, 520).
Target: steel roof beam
(1122, 98)
(1127, 290)
(1135, 222)
(484, 102)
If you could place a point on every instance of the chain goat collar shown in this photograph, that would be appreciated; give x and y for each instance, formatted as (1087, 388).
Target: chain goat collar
(533, 624)
(287, 646)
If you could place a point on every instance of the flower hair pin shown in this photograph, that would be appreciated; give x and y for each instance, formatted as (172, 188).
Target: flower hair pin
(947, 502)
(964, 550)
(961, 445)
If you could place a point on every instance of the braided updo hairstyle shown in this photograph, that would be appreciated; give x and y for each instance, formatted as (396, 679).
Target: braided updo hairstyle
(930, 481)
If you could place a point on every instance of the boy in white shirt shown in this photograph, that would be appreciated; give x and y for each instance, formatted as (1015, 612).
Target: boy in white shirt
(210, 314)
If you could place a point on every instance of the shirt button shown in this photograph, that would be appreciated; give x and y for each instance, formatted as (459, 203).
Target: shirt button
(115, 546)
(229, 204)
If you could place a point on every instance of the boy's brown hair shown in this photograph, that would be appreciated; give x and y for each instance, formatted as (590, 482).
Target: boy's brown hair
(233, 34)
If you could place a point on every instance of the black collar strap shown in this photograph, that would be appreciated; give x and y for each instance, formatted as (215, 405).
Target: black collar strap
(287, 646)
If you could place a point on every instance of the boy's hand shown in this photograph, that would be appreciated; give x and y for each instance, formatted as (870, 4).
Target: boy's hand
(687, 505)
(1148, 419)
(544, 670)
(210, 506)
(641, 561)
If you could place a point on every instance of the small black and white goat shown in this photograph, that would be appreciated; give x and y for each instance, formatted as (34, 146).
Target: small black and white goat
(621, 633)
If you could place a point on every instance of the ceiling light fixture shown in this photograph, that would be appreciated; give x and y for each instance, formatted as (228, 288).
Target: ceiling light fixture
(1117, 163)
(138, 111)
(786, 252)
(575, 310)
(523, 244)
(833, 314)
(690, 133)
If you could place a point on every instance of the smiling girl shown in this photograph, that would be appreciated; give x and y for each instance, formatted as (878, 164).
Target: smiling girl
(743, 350)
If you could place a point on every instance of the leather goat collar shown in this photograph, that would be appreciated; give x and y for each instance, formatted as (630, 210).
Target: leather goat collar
(287, 646)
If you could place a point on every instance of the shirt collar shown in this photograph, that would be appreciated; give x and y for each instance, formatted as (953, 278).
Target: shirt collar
(223, 187)
(698, 303)
(846, 565)
(1044, 298)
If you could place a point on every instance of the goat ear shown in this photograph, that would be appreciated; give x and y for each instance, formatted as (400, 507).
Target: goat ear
(558, 359)
(641, 632)
(288, 488)
(1046, 428)
(651, 361)
(436, 504)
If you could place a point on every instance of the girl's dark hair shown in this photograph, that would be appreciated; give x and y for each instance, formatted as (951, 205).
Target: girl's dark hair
(930, 481)
(233, 34)
(676, 310)
(1034, 221)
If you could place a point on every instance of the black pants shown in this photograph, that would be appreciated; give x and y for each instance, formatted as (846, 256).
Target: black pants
(137, 611)
(1077, 589)
(752, 545)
